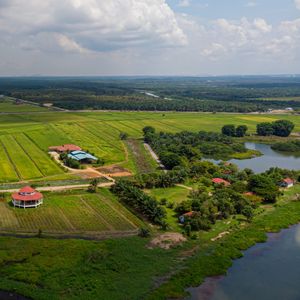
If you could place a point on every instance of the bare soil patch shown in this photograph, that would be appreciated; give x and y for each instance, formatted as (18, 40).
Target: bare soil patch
(114, 171)
(167, 240)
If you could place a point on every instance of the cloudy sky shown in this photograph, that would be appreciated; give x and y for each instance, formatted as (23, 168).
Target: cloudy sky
(149, 37)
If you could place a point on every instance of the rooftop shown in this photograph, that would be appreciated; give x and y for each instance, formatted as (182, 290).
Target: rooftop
(220, 180)
(65, 148)
(81, 155)
(27, 193)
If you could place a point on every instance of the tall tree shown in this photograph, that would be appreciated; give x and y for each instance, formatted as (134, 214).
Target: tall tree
(228, 130)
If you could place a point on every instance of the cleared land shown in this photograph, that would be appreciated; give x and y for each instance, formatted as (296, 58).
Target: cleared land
(25, 137)
(75, 213)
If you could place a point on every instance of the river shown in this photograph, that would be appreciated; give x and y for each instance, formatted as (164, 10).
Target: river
(269, 159)
(268, 271)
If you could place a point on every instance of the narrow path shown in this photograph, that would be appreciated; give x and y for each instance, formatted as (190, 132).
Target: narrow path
(155, 157)
(78, 171)
(185, 187)
(61, 188)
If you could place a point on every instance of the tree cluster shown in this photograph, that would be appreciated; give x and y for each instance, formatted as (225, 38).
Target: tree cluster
(281, 128)
(182, 148)
(134, 197)
(231, 130)
(289, 146)
(69, 162)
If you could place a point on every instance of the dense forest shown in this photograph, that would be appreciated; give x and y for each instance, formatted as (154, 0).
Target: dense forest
(179, 149)
(228, 94)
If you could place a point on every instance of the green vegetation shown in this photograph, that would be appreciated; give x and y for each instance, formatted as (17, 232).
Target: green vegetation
(76, 213)
(281, 128)
(99, 133)
(230, 130)
(214, 258)
(138, 200)
(289, 146)
(223, 94)
(9, 105)
(77, 269)
(182, 148)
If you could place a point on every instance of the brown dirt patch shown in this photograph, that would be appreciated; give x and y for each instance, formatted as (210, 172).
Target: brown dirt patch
(167, 240)
(88, 175)
(114, 171)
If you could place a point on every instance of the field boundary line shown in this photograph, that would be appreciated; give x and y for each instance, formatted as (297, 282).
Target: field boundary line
(11, 161)
(115, 210)
(88, 138)
(91, 132)
(66, 219)
(13, 136)
(171, 126)
(126, 125)
(108, 225)
(106, 122)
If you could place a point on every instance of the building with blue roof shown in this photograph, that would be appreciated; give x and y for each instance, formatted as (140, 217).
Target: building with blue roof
(82, 156)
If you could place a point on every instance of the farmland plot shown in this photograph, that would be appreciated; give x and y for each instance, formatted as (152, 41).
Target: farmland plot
(7, 171)
(88, 141)
(48, 137)
(25, 167)
(40, 158)
(77, 213)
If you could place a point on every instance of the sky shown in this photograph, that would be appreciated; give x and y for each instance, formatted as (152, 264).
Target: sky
(149, 37)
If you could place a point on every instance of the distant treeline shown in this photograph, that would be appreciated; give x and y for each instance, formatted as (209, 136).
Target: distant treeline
(220, 94)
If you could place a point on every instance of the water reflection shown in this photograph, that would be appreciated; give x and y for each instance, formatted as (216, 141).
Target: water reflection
(268, 271)
(270, 159)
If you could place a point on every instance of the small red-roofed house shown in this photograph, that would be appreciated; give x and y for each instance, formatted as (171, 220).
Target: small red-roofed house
(287, 183)
(220, 181)
(27, 197)
(185, 216)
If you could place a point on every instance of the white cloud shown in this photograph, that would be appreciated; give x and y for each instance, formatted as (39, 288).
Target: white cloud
(95, 25)
(297, 2)
(184, 3)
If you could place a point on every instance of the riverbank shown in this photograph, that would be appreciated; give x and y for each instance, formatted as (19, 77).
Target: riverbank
(214, 258)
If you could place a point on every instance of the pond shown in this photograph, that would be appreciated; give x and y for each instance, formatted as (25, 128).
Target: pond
(269, 271)
(269, 159)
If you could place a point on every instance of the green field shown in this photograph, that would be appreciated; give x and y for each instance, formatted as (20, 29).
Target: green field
(8, 105)
(72, 213)
(25, 137)
(173, 195)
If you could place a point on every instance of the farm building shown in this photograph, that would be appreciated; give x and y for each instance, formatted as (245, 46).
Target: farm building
(82, 156)
(65, 148)
(27, 197)
(220, 181)
(185, 216)
(287, 183)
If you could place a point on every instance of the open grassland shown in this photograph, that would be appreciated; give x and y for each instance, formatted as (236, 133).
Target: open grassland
(75, 213)
(174, 196)
(25, 138)
(76, 269)
(8, 105)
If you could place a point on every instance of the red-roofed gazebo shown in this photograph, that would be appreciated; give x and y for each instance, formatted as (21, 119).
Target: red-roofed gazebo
(27, 197)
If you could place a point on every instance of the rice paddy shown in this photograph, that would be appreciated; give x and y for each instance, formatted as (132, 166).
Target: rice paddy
(77, 213)
(25, 137)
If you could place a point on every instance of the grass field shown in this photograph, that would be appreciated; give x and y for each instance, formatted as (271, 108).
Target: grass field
(173, 195)
(7, 105)
(25, 138)
(72, 213)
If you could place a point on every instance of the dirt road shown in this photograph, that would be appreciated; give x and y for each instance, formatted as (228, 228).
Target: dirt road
(60, 188)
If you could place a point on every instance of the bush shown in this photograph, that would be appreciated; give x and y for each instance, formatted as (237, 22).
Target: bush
(144, 232)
